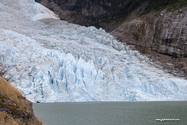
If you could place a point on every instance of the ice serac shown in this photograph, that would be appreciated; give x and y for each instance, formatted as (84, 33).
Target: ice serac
(55, 61)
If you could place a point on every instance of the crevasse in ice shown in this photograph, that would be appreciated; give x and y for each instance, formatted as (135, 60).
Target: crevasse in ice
(54, 61)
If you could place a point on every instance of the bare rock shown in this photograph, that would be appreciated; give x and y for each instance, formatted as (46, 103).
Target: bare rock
(163, 32)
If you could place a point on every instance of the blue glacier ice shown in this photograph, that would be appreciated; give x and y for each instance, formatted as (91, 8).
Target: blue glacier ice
(50, 60)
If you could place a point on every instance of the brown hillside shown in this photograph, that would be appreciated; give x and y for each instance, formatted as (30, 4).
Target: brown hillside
(14, 108)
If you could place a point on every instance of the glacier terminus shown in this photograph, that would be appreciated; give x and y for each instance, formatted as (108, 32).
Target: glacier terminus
(50, 60)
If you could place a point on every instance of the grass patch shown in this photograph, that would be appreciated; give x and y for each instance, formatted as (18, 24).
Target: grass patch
(12, 93)
(6, 119)
(8, 92)
(10, 107)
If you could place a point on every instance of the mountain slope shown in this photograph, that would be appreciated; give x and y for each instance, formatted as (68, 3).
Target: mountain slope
(161, 35)
(14, 108)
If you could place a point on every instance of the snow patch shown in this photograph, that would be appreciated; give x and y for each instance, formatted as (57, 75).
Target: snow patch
(43, 13)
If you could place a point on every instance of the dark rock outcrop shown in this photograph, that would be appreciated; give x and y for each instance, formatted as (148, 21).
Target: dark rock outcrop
(160, 35)
(100, 13)
(163, 32)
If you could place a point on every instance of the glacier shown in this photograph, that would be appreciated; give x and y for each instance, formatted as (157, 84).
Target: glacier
(50, 60)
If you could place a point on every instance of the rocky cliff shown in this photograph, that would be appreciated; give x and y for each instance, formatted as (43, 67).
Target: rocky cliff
(164, 32)
(162, 35)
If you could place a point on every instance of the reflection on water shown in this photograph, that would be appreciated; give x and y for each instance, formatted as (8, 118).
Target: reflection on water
(112, 113)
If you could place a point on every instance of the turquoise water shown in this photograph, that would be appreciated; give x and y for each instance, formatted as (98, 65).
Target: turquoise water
(112, 113)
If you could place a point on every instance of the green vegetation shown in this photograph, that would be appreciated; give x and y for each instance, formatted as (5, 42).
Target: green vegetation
(153, 5)
(125, 10)
(129, 7)
(160, 5)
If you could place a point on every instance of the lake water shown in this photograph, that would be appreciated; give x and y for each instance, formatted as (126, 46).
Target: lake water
(112, 113)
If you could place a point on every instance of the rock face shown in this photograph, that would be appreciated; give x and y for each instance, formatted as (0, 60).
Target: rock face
(163, 32)
(170, 36)
(162, 35)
